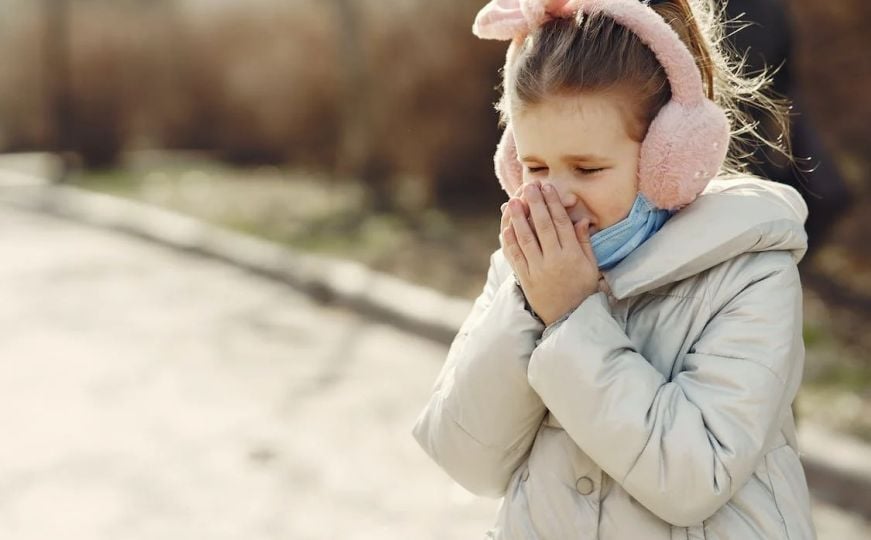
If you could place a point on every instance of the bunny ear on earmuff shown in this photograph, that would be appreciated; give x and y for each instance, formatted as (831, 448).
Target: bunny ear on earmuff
(506, 19)
(500, 19)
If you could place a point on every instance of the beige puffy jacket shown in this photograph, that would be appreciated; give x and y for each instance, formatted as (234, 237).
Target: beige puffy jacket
(661, 407)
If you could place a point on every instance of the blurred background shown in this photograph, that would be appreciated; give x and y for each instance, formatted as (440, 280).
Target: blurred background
(365, 129)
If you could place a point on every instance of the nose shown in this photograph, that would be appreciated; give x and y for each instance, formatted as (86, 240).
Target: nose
(567, 196)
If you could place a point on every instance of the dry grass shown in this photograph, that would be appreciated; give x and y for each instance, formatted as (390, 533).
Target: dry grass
(401, 98)
(270, 82)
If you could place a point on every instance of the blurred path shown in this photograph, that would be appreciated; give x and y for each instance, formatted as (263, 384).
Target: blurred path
(151, 394)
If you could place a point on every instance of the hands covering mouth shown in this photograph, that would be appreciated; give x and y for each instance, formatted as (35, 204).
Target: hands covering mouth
(580, 216)
(554, 261)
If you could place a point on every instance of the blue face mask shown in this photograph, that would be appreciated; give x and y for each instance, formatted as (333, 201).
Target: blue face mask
(613, 244)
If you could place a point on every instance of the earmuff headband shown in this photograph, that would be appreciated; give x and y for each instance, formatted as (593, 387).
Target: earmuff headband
(686, 143)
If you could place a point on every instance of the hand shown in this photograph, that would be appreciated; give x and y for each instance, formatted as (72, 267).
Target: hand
(552, 258)
(506, 217)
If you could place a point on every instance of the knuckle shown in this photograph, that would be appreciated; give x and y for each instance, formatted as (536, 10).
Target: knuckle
(562, 220)
(526, 238)
(521, 237)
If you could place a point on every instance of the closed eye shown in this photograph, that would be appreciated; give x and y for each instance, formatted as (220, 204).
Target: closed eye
(579, 170)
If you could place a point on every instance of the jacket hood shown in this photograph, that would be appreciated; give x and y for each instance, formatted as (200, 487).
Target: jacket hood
(733, 215)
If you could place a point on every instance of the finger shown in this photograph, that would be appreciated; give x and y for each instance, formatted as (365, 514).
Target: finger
(583, 233)
(513, 252)
(505, 219)
(541, 220)
(502, 243)
(518, 194)
(503, 224)
(562, 222)
(506, 215)
(525, 237)
(526, 211)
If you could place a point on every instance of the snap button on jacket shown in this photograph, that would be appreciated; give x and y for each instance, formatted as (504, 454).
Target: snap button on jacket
(584, 485)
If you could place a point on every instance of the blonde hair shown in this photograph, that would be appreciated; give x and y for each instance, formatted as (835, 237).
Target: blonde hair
(596, 54)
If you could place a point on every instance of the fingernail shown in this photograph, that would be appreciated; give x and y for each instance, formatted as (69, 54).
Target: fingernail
(547, 188)
(503, 207)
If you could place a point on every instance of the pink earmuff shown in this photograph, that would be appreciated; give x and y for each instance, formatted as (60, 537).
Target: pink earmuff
(687, 141)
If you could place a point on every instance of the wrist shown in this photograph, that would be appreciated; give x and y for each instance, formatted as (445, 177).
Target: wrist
(526, 305)
(552, 324)
(548, 319)
(563, 313)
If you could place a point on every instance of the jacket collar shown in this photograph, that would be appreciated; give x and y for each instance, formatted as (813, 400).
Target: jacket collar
(734, 215)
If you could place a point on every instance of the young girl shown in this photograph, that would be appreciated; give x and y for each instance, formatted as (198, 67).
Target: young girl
(629, 368)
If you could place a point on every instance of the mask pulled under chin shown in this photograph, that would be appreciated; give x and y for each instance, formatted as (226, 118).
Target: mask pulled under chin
(613, 244)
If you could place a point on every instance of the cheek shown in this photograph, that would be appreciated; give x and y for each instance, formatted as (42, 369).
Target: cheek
(626, 189)
(616, 198)
(615, 214)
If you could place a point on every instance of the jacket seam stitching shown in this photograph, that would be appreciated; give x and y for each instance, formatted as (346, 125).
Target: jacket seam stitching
(646, 441)
(462, 428)
(752, 361)
(679, 296)
(710, 302)
(706, 295)
(774, 496)
(499, 450)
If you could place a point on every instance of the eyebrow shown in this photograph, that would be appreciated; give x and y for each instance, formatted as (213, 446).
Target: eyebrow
(570, 157)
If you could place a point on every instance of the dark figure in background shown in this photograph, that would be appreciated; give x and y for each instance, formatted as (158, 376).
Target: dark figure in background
(769, 40)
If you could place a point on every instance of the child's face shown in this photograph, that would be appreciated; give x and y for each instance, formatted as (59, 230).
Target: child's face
(580, 145)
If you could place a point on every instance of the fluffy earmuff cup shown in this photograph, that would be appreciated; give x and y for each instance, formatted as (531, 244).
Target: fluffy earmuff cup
(509, 170)
(684, 148)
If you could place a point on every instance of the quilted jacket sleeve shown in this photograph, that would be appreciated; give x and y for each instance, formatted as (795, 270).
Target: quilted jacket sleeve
(681, 447)
(482, 417)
